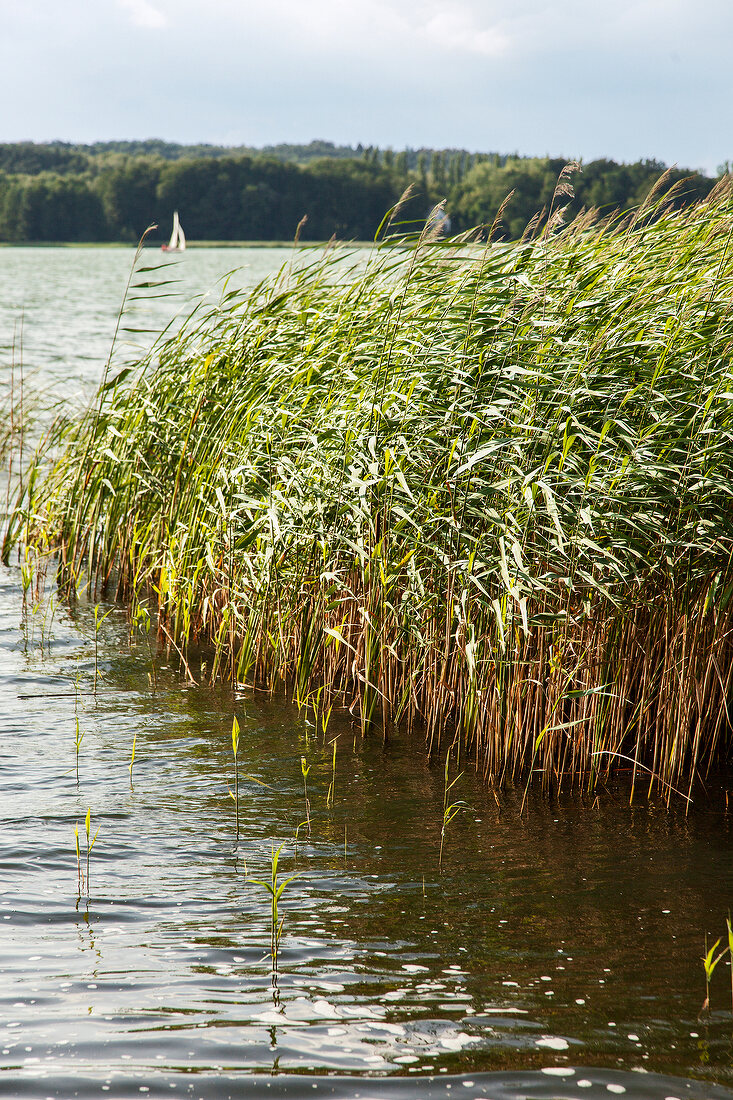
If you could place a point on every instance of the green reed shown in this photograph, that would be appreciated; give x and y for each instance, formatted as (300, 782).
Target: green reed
(305, 769)
(450, 810)
(275, 889)
(98, 620)
(78, 732)
(332, 785)
(78, 735)
(709, 961)
(463, 486)
(132, 757)
(82, 879)
(235, 751)
(729, 929)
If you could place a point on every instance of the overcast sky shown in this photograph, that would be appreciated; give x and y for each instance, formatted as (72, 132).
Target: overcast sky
(575, 78)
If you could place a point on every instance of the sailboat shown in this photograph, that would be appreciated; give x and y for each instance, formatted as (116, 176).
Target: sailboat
(177, 243)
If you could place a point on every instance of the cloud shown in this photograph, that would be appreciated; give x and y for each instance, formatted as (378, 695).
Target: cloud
(143, 14)
(456, 29)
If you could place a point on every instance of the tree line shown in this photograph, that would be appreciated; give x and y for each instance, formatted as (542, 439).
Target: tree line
(114, 191)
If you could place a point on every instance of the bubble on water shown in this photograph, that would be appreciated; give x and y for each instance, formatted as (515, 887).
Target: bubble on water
(557, 1071)
(616, 1088)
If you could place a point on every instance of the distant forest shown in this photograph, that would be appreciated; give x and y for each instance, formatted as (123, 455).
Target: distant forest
(111, 191)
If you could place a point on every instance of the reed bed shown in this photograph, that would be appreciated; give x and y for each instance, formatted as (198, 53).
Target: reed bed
(484, 490)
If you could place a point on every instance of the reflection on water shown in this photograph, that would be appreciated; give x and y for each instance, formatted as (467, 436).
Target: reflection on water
(556, 954)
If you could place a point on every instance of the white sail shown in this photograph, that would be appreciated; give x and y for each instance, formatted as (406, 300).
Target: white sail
(177, 243)
(173, 242)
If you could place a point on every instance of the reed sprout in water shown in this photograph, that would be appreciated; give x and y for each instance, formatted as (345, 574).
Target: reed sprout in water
(709, 961)
(332, 785)
(78, 863)
(305, 768)
(473, 488)
(450, 809)
(275, 889)
(98, 620)
(78, 736)
(78, 733)
(235, 751)
(729, 928)
(83, 880)
(132, 757)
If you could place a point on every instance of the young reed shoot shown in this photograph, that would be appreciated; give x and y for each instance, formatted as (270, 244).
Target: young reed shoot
(82, 879)
(91, 841)
(98, 620)
(730, 953)
(305, 768)
(709, 961)
(449, 809)
(332, 785)
(275, 888)
(132, 757)
(79, 875)
(235, 751)
(78, 738)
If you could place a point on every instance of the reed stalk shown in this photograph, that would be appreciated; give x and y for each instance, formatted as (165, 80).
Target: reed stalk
(132, 757)
(305, 768)
(91, 841)
(450, 809)
(730, 953)
(235, 751)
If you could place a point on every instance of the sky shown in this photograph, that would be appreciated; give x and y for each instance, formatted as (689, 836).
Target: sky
(626, 79)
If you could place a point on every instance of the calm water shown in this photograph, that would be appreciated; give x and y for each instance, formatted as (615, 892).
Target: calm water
(556, 955)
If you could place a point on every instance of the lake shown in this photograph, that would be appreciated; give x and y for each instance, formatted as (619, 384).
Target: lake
(555, 953)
